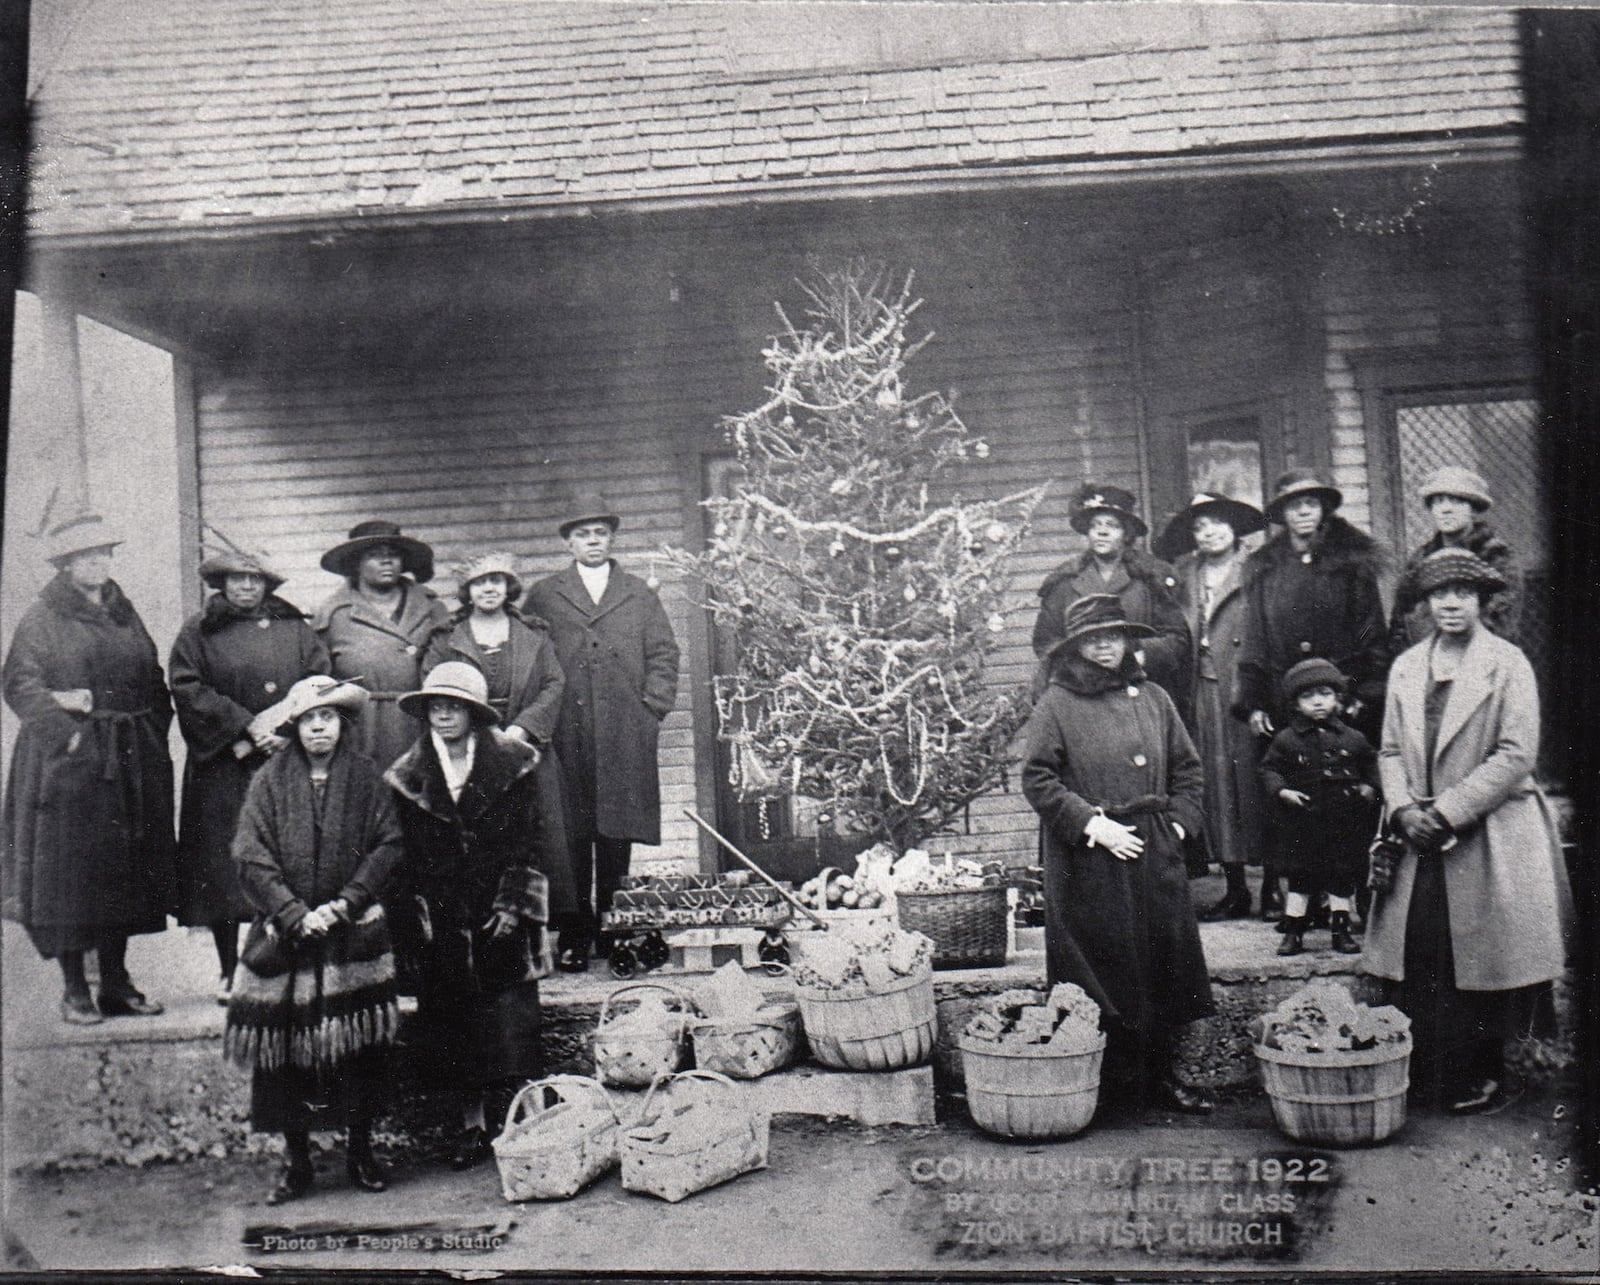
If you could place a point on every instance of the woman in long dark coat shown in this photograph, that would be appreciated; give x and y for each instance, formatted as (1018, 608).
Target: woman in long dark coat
(239, 655)
(469, 809)
(88, 813)
(517, 658)
(314, 1008)
(1310, 591)
(1117, 785)
(1209, 561)
(1471, 933)
(1107, 516)
(1457, 500)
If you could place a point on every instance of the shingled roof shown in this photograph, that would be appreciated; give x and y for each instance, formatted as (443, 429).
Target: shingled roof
(172, 114)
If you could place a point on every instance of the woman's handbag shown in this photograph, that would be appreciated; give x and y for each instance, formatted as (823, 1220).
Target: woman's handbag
(1383, 857)
(269, 953)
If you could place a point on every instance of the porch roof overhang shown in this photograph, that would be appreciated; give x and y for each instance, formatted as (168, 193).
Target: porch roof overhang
(221, 288)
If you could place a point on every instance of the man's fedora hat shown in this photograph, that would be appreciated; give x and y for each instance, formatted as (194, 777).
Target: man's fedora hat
(588, 506)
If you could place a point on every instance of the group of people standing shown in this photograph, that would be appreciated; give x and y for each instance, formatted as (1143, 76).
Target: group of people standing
(393, 795)
(1240, 706)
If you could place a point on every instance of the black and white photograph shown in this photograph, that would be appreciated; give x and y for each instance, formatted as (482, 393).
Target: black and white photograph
(904, 639)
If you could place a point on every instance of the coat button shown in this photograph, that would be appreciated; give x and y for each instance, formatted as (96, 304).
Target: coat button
(411, 649)
(1133, 693)
(1306, 558)
(1305, 646)
(1139, 760)
(269, 686)
(263, 623)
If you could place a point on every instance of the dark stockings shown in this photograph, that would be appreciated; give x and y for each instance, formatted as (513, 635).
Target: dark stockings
(112, 950)
(77, 985)
(226, 937)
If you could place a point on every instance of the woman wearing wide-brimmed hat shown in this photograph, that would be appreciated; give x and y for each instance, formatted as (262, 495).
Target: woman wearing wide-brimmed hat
(1310, 590)
(378, 624)
(88, 857)
(1147, 588)
(1457, 500)
(314, 1009)
(517, 657)
(236, 657)
(1203, 542)
(1471, 931)
(476, 857)
(1118, 786)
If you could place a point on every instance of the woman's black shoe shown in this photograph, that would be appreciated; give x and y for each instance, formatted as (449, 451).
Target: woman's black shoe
(1271, 904)
(293, 1182)
(472, 1149)
(1293, 929)
(1182, 1097)
(1234, 905)
(122, 1000)
(365, 1172)
(79, 1009)
(573, 960)
(1343, 940)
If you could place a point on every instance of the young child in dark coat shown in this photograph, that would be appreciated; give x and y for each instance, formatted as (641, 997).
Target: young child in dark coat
(1321, 780)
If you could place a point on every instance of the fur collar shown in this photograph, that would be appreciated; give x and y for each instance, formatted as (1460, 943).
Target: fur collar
(1339, 548)
(65, 599)
(1084, 677)
(1480, 538)
(1139, 565)
(498, 764)
(521, 614)
(219, 613)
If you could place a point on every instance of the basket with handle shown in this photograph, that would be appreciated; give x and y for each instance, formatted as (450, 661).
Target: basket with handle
(632, 1059)
(966, 925)
(1343, 1097)
(748, 1046)
(700, 1133)
(871, 1030)
(560, 1135)
(1030, 1090)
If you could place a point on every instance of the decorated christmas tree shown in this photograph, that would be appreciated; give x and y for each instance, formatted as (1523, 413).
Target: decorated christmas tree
(862, 594)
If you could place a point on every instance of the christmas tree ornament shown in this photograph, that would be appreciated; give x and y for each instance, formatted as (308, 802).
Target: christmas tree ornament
(980, 448)
(835, 548)
(994, 532)
(996, 622)
(909, 593)
(893, 553)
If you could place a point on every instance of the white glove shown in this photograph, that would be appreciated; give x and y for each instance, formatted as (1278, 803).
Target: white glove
(1121, 841)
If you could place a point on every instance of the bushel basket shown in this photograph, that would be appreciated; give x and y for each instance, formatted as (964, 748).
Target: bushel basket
(966, 925)
(1030, 1090)
(634, 1058)
(700, 1133)
(863, 1030)
(560, 1135)
(1344, 1098)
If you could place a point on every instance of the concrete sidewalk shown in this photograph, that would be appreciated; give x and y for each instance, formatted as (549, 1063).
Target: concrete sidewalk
(1163, 1194)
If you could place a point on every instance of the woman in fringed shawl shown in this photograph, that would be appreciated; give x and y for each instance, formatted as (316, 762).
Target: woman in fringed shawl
(477, 861)
(1117, 785)
(314, 1007)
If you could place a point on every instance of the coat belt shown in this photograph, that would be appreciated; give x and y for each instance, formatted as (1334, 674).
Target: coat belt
(1144, 805)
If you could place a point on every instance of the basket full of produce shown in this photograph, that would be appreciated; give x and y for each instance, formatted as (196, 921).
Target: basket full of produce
(1335, 1070)
(745, 1032)
(1032, 1062)
(960, 905)
(866, 996)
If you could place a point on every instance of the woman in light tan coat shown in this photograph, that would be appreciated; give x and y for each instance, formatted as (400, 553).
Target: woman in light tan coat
(1471, 931)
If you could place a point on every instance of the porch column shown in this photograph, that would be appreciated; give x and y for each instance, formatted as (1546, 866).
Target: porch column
(61, 411)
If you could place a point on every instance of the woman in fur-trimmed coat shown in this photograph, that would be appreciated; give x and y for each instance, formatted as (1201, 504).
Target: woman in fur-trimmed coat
(476, 862)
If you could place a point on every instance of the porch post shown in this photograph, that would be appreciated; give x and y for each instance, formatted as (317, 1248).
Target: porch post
(62, 411)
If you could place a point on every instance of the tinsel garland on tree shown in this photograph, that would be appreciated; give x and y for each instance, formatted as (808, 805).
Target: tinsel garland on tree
(862, 594)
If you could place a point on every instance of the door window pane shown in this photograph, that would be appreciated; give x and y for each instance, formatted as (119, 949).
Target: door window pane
(1225, 458)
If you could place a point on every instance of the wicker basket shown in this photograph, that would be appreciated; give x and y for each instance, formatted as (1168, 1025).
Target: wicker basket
(1341, 1099)
(720, 1137)
(633, 1060)
(746, 1048)
(1031, 1091)
(861, 1030)
(560, 1135)
(967, 925)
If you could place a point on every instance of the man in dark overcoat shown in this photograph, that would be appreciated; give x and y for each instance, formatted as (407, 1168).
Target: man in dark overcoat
(618, 652)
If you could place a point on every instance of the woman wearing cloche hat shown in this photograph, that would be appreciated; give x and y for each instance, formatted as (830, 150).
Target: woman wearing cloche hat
(378, 624)
(1204, 540)
(88, 855)
(313, 1009)
(1310, 590)
(236, 657)
(477, 858)
(1457, 501)
(1471, 939)
(1117, 785)
(1108, 517)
